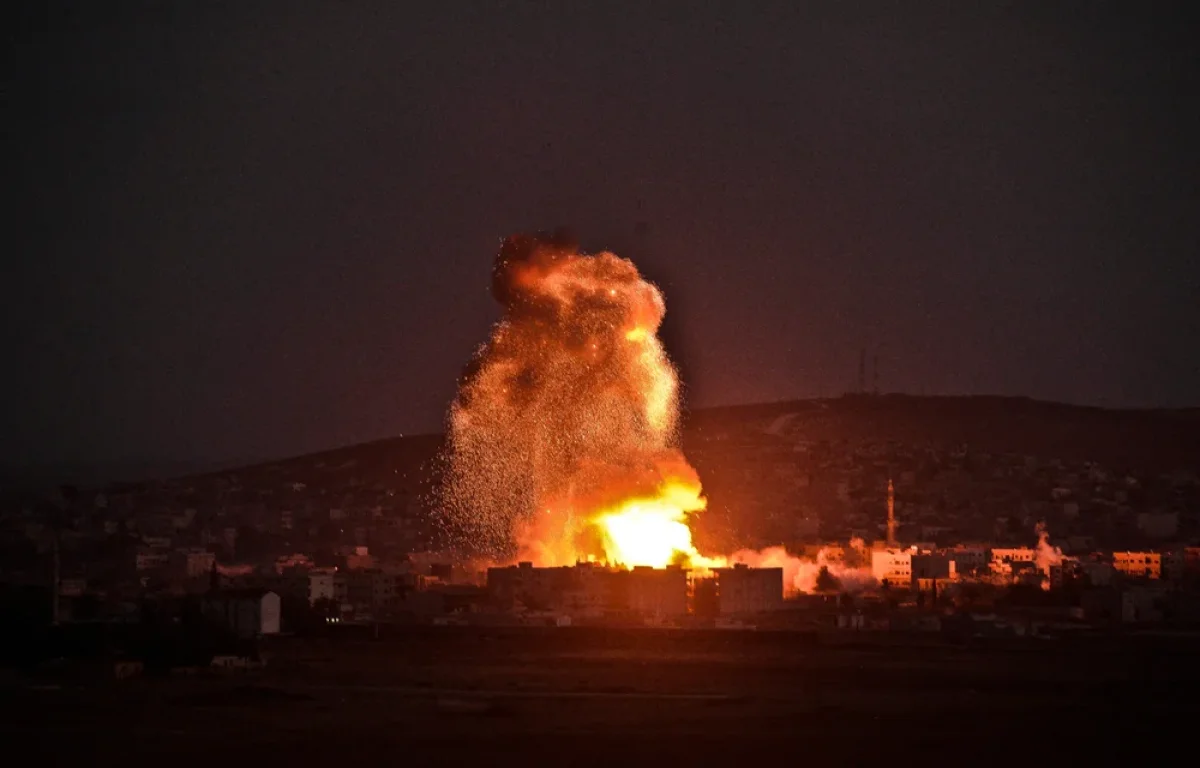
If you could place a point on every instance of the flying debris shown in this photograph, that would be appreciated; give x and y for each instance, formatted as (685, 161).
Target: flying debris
(563, 437)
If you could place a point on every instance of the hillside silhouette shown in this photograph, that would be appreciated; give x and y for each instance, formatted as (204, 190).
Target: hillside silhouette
(1152, 440)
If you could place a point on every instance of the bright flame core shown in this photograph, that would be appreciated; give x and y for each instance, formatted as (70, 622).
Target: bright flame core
(651, 531)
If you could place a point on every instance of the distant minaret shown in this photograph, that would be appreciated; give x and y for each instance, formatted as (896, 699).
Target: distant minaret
(891, 531)
(862, 370)
(875, 375)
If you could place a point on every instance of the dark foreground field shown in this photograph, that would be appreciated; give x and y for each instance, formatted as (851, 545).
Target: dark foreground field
(629, 697)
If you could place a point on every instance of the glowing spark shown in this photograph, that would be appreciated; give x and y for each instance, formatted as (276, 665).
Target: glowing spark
(590, 439)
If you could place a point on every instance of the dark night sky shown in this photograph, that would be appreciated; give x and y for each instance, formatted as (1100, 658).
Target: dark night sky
(260, 229)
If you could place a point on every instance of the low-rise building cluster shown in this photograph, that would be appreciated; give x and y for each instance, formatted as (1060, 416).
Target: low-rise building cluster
(347, 535)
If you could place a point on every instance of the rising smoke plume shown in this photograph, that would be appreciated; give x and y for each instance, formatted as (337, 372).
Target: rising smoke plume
(568, 415)
(849, 568)
(1046, 556)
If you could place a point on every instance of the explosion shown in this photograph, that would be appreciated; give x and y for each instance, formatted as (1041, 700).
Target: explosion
(1046, 556)
(563, 438)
